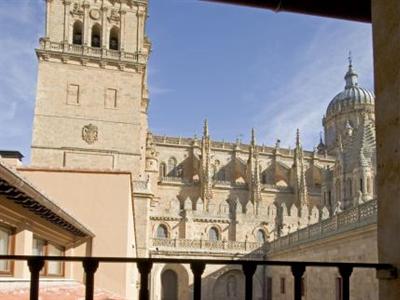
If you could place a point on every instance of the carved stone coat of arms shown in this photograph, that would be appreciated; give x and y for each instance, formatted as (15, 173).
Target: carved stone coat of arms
(90, 133)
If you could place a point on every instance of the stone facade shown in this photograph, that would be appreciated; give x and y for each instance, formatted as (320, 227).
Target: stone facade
(187, 197)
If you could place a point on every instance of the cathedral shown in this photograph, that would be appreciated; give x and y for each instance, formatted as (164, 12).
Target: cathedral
(145, 195)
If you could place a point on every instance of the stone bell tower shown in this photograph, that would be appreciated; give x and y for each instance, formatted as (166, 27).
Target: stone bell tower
(92, 98)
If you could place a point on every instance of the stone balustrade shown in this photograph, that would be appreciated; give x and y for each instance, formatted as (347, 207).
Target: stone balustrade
(205, 246)
(353, 218)
(92, 52)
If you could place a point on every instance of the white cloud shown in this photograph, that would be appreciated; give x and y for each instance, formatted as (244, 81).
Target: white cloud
(301, 101)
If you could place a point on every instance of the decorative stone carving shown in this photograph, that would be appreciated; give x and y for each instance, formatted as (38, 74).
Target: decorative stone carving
(304, 211)
(294, 212)
(271, 211)
(114, 15)
(338, 208)
(284, 210)
(238, 207)
(95, 14)
(90, 133)
(325, 213)
(77, 10)
(200, 205)
(314, 217)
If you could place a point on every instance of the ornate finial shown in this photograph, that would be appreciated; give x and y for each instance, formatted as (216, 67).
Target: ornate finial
(320, 137)
(205, 128)
(298, 137)
(351, 77)
(350, 58)
(253, 137)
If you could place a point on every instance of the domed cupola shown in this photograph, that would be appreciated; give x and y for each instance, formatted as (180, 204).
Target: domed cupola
(346, 108)
(352, 97)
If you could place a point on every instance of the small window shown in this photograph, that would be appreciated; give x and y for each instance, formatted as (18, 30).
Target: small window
(96, 36)
(111, 98)
(77, 36)
(163, 170)
(213, 234)
(172, 167)
(261, 235)
(283, 285)
(114, 38)
(162, 232)
(361, 186)
(6, 241)
(73, 94)
(44, 248)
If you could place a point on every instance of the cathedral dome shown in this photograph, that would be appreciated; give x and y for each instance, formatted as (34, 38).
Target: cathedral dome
(352, 97)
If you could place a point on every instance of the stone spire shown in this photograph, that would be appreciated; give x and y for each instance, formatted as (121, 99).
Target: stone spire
(253, 171)
(351, 76)
(205, 170)
(321, 148)
(300, 176)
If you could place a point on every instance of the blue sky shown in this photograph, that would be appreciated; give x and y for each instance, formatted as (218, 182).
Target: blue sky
(238, 67)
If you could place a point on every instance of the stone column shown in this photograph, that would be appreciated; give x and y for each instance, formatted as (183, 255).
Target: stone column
(46, 33)
(67, 4)
(23, 246)
(104, 27)
(122, 30)
(86, 23)
(386, 32)
(141, 15)
(142, 224)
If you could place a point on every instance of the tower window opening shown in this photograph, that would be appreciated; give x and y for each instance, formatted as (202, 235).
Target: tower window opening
(114, 39)
(261, 236)
(361, 185)
(213, 234)
(77, 33)
(96, 36)
(162, 232)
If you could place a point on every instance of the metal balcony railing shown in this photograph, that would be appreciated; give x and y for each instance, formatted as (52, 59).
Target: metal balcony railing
(144, 265)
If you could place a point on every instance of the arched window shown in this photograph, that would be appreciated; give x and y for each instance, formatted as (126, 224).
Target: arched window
(213, 234)
(361, 186)
(169, 285)
(77, 36)
(114, 38)
(96, 36)
(172, 167)
(261, 236)
(162, 232)
(163, 170)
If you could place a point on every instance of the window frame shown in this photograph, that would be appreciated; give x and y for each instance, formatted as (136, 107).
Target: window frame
(282, 287)
(166, 231)
(218, 234)
(10, 250)
(45, 270)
